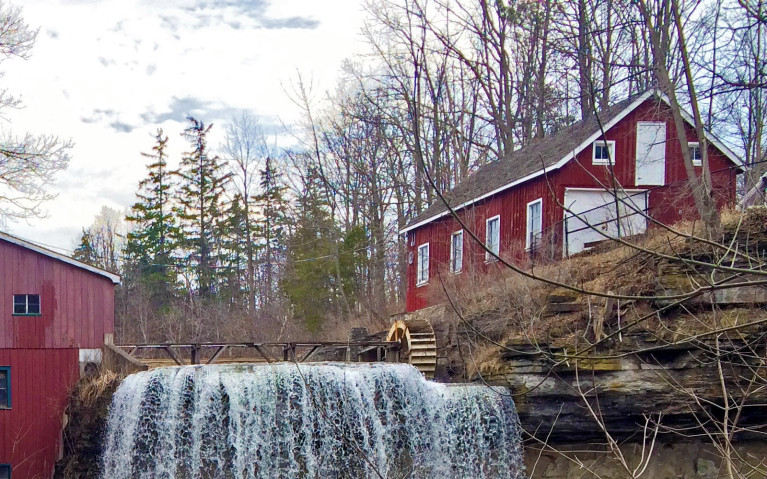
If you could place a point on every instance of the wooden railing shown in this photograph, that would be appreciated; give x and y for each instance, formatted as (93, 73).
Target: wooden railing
(363, 351)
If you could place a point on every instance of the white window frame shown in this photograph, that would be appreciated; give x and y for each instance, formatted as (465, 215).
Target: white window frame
(489, 257)
(422, 274)
(528, 228)
(29, 308)
(692, 145)
(610, 144)
(456, 266)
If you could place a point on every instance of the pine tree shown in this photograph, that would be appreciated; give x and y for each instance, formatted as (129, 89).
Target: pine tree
(234, 254)
(199, 208)
(308, 279)
(84, 251)
(151, 241)
(320, 274)
(271, 227)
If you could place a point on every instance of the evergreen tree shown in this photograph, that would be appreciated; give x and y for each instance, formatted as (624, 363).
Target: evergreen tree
(151, 240)
(84, 251)
(199, 209)
(271, 227)
(320, 274)
(234, 252)
(308, 280)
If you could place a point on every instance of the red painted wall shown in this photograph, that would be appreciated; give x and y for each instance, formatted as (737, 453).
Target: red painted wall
(77, 309)
(511, 204)
(30, 432)
(77, 305)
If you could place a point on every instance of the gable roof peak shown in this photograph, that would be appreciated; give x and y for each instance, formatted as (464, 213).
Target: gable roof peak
(539, 157)
(26, 244)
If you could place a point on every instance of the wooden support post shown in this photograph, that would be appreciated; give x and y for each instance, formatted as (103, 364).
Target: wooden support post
(218, 353)
(392, 354)
(195, 354)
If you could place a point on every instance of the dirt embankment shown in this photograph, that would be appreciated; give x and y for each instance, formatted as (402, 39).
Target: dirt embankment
(86, 417)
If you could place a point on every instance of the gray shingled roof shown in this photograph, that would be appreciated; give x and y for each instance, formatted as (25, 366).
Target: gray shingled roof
(533, 158)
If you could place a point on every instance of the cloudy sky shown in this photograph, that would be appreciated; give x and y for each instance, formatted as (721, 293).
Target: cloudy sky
(108, 73)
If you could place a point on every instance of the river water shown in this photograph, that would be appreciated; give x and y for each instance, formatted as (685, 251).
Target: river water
(315, 420)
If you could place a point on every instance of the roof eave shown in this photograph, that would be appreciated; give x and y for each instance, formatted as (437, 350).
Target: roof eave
(115, 278)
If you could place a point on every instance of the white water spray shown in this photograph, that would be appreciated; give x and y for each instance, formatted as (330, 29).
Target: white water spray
(330, 420)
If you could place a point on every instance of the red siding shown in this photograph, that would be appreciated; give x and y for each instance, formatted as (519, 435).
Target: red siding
(30, 432)
(74, 315)
(77, 308)
(511, 204)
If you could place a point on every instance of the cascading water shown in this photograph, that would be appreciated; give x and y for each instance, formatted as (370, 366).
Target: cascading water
(321, 420)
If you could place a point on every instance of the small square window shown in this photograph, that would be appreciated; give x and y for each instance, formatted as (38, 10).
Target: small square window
(5, 471)
(26, 304)
(697, 159)
(603, 152)
(5, 388)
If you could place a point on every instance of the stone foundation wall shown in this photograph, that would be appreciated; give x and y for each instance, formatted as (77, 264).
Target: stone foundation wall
(670, 460)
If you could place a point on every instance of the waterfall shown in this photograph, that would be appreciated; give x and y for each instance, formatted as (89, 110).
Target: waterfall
(315, 420)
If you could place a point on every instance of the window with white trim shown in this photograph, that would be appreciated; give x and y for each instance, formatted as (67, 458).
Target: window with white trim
(603, 152)
(493, 237)
(422, 267)
(456, 252)
(534, 223)
(697, 158)
(26, 305)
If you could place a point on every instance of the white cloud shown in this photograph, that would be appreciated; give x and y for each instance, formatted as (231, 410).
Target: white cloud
(109, 73)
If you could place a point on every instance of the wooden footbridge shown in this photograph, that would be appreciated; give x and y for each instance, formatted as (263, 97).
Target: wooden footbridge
(212, 352)
(412, 342)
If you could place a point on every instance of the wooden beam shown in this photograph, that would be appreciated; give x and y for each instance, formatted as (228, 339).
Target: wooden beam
(311, 351)
(173, 356)
(218, 353)
(264, 354)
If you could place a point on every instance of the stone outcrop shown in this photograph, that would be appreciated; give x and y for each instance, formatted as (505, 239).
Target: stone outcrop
(637, 377)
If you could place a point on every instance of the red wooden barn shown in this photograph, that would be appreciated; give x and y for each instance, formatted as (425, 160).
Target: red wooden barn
(557, 196)
(55, 313)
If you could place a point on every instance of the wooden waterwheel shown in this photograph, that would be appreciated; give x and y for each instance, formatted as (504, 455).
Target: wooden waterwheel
(419, 344)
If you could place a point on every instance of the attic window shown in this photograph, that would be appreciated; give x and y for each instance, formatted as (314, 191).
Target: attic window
(697, 159)
(26, 305)
(603, 152)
